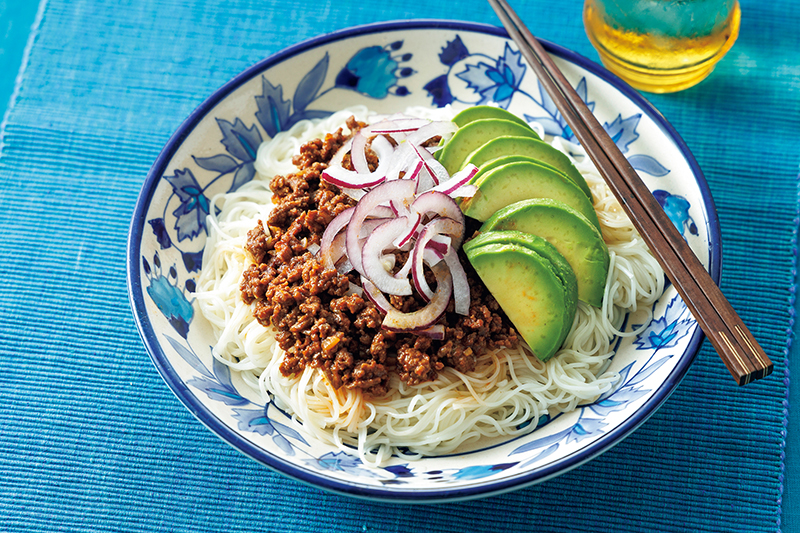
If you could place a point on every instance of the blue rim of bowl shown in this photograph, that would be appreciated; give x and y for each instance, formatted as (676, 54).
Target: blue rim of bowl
(196, 407)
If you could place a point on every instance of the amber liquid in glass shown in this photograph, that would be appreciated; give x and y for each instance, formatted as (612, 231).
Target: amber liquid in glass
(661, 45)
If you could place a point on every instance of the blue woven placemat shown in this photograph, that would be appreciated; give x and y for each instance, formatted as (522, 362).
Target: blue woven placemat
(92, 440)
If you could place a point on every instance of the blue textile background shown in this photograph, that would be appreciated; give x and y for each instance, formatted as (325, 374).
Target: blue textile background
(92, 440)
(15, 22)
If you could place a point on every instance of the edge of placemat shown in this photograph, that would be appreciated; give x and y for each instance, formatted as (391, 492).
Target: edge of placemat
(32, 36)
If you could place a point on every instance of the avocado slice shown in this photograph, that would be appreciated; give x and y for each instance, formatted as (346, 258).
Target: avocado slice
(531, 281)
(571, 233)
(514, 182)
(475, 134)
(503, 160)
(479, 112)
(524, 145)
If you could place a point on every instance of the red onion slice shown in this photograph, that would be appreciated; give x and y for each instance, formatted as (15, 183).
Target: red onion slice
(343, 266)
(431, 257)
(369, 225)
(358, 153)
(337, 252)
(428, 315)
(435, 170)
(459, 180)
(383, 211)
(375, 296)
(424, 180)
(437, 226)
(396, 125)
(371, 258)
(388, 218)
(354, 289)
(403, 159)
(438, 203)
(414, 174)
(418, 274)
(435, 332)
(439, 244)
(445, 230)
(336, 225)
(402, 190)
(350, 179)
(434, 149)
(338, 157)
(465, 191)
(441, 128)
(355, 194)
(412, 227)
(461, 294)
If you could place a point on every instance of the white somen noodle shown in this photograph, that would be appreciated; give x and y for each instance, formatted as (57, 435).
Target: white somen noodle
(504, 395)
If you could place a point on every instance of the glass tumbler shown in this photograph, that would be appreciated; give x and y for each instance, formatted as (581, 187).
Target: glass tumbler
(661, 46)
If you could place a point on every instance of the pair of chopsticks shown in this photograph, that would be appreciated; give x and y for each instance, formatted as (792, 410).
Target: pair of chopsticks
(741, 353)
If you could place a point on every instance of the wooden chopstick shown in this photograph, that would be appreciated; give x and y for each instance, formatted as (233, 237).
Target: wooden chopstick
(739, 350)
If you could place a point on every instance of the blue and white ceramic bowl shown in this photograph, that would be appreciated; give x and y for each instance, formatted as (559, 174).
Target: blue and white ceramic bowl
(389, 67)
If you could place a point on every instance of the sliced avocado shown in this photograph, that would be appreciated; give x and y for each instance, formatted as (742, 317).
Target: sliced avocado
(535, 148)
(514, 182)
(539, 245)
(503, 160)
(531, 281)
(479, 112)
(571, 233)
(475, 134)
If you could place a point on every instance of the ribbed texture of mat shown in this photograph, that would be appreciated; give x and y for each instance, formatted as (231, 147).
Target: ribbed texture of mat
(92, 440)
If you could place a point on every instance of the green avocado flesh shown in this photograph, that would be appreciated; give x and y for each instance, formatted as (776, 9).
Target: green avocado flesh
(522, 180)
(571, 233)
(504, 160)
(531, 281)
(475, 134)
(525, 146)
(479, 112)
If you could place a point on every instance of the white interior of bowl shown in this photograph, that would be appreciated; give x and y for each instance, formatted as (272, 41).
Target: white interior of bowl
(651, 364)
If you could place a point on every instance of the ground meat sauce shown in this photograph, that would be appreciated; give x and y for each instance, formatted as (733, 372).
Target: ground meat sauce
(320, 322)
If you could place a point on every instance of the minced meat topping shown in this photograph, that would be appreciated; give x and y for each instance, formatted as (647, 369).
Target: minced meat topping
(318, 318)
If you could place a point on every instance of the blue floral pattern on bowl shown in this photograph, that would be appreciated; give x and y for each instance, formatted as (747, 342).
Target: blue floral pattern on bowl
(454, 64)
